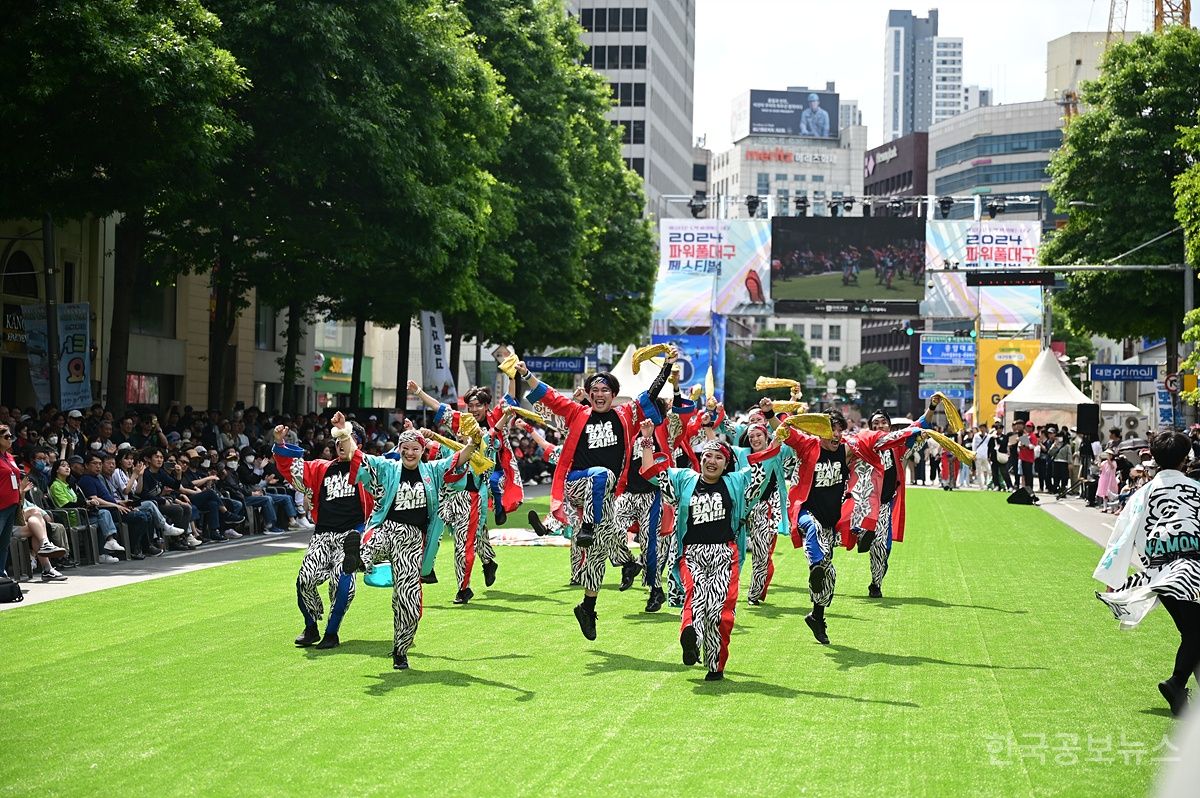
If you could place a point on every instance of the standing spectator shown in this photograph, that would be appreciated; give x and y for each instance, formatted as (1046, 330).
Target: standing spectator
(1025, 443)
(998, 457)
(10, 493)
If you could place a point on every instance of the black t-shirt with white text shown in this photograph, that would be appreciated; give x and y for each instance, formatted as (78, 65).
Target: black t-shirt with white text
(710, 514)
(411, 505)
(828, 487)
(636, 483)
(338, 507)
(889, 476)
(602, 443)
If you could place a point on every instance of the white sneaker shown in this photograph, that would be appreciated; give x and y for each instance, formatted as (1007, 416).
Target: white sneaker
(53, 576)
(174, 531)
(304, 523)
(232, 534)
(108, 558)
(48, 549)
(112, 545)
(192, 541)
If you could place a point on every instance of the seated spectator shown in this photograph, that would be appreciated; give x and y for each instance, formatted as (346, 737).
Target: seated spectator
(35, 528)
(64, 496)
(123, 476)
(279, 510)
(158, 485)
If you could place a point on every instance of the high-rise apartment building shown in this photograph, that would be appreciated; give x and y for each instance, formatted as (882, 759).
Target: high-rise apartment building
(900, 75)
(646, 50)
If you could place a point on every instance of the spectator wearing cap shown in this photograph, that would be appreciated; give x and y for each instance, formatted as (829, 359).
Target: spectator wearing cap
(76, 463)
(206, 502)
(64, 496)
(73, 433)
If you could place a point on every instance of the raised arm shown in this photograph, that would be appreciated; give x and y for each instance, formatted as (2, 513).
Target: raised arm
(426, 399)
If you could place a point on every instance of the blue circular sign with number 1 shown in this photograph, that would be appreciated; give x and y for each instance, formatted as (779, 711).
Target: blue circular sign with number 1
(1009, 377)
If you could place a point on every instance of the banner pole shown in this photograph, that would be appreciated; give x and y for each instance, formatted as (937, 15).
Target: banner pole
(51, 286)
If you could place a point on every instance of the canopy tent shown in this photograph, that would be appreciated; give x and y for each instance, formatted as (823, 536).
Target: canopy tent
(1114, 408)
(1047, 393)
(633, 384)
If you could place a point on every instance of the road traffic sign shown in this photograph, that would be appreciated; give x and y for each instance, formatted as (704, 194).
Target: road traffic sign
(947, 353)
(1171, 383)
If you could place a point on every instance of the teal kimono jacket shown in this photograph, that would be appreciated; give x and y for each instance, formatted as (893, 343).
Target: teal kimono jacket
(381, 477)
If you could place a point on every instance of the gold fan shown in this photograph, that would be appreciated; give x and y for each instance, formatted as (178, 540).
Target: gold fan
(769, 383)
(812, 423)
(789, 407)
(528, 415)
(509, 366)
(953, 420)
(954, 447)
(480, 463)
(640, 356)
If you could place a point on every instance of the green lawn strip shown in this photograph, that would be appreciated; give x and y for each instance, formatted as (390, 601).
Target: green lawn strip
(190, 685)
(829, 286)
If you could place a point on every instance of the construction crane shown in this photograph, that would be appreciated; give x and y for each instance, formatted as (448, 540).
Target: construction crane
(1166, 13)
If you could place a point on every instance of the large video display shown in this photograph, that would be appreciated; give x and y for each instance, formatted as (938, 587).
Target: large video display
(805, 114)
(823, 264)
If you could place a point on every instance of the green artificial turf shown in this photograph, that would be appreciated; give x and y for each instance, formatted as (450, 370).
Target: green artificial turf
(829, 286)
(989, 632)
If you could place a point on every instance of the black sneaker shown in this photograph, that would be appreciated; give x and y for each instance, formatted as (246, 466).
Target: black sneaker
(310, 636)
(574, 582)
(754, 602)
(501, 516)
(864, 540)
(873, 591)
(330, 640)
(137, 555)
(816, 577)
(655, 602)
(489, 572)
(352, 554)
(587, 533)
(431, 579)
(1177, 697)
(464, 595)
(587, 621)
(690, 646)
(818, 629)
(399, 662)
(629, 572)
(535, 523)
(714, 676)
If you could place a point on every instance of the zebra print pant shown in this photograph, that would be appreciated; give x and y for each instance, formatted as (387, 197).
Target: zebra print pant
(881, 545)
(674, 583)
(606, 544)
(645, 511)
(403, 545)
(764, 533)
(819, 543)
(461, 510)
(710, 583)
(323, 562)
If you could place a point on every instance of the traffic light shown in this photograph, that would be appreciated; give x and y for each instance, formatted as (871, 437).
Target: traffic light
(802, 205)
(968, 333)
(996, 206)
(697, 204)
(752, 201)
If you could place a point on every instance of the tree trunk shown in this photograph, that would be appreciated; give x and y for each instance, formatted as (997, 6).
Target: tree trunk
(454, 333)
(291, 354)
(130, 242)
(360, 334)
(403, 341)
(478, 359)
(222, 319)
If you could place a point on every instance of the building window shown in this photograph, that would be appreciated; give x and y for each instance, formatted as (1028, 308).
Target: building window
(639, 56)
(585, 18)
(614, 19)
(781, 202)
(699, 172)
(993, 174)
(638, 165)
(835, 354)
(835, 332)
(639, 19)
(764, 184)
(780, 327)
(266, 335)
(815, 332)
(798, 329)
(154, 312)
(639, 94)
(19, 276)
(818, 178)
(817, 352)
(627, 53)
(627, 20)
(984, 146)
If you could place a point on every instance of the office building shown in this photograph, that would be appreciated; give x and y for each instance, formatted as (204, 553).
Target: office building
(646, 50)
(902, 84)
(1074, 58)
(897, 169)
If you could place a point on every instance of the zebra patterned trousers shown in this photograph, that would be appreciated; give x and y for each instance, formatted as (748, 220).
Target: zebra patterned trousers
(881, 545)
(710, 584)
(645, 511)
(764, 533)
(403, 545)
(819, 543)
(589, 490)
(461, 510)
(323, 562)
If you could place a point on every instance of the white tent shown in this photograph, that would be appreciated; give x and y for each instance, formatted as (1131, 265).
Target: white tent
(1047, 393)
(633, 384)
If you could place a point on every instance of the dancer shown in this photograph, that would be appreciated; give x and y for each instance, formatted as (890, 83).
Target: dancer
(465, 502)
(817, 522)
(873, 513)
(767, 516)
(404, 524)
(711, 532)
(1161, 526)
(339, 508)
(593, 467)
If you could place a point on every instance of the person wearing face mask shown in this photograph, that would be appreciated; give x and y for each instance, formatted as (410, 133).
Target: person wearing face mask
(710, 527)
(592, 469)
(340, 507)
(196, 483)
(278, 509)
(404, 527)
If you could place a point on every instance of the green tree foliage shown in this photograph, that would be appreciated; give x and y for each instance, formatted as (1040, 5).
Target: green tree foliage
(874, 385)
(788, 358)
(1187, 211)
(1120, 156)
(112, 106)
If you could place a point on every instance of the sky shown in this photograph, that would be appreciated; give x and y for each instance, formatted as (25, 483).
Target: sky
(771, 44)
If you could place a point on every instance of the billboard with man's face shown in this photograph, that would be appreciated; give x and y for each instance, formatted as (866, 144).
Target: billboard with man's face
(806, 114)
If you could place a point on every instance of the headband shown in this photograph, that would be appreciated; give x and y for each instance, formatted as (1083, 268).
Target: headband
(608, 380)
(410, 436)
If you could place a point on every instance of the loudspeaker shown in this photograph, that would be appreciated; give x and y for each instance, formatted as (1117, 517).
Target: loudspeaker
(1022, 496)
(1087, 419)
(1021, 415)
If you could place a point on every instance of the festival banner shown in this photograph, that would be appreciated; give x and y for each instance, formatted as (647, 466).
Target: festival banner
(707, 265)
(74, 354)
(965, 245)
(695, 356)
(436, 379)
(716, 346)
(1002, 366)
